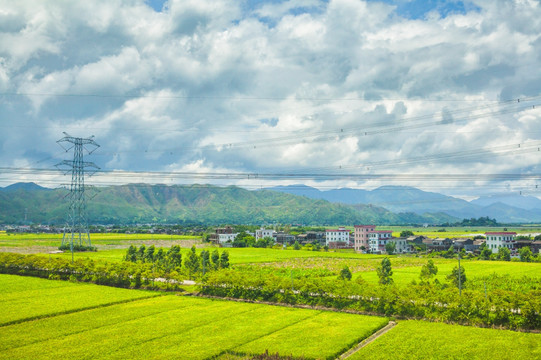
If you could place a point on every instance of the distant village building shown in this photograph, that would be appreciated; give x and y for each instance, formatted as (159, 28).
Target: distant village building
(263, 233)
(360, 236)
(496, 240)
(340, 235)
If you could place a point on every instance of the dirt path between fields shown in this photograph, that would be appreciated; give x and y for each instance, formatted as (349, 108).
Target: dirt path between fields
(368, 340)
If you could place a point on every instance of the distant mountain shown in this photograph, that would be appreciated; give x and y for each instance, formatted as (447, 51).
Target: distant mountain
(405, 199)
(27, 186)
(514, 200)
(204, 204)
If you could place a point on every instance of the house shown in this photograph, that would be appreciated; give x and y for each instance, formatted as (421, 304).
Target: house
(262, 233)
(283, 238)
(360, 236)
(215, 238)
(496, 240)
(340, 235)
(438, 244)
(378, 240)
(463, 243)
(226, 238)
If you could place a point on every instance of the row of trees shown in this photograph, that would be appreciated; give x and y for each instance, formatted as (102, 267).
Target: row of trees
(424, 299)
(172, 259)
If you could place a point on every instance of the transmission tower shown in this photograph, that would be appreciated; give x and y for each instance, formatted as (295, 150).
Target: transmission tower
(76, 229)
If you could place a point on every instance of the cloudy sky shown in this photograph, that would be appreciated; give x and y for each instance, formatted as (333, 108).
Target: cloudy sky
(442, 95)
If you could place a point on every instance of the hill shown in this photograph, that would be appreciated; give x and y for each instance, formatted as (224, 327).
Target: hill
(198, 204)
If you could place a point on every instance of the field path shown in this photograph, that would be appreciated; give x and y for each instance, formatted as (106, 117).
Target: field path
(368, 340)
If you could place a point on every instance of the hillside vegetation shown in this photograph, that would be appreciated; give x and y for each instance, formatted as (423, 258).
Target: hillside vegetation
(196, 204)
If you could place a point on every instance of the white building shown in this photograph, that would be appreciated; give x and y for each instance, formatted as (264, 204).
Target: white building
(262, 233)
(496, 240)
(336, 235)
(378, 240)
(223, 238)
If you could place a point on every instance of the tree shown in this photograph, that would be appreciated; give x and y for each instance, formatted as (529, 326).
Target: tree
(525, 254)
(224, 260)
(345, 273)
(454, 276)
(296, 246)
(537, 237)
(131, 254)
(149, 254)
(174, 257)
(385, 272)
(141, 252)
(390, 247)
(428, 270)
(485, 252)
(205, 260)
(326, 247)
(215, 259)
(406, 233)
(192, 262)
(504, 254)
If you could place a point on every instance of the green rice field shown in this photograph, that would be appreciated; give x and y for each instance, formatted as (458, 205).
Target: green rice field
(162, 327)
(424, 340)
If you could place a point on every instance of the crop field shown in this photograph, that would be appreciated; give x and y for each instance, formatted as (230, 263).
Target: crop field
(49, 240)
(454, 232)
(25, 298)
(425, 340)
(165, 326)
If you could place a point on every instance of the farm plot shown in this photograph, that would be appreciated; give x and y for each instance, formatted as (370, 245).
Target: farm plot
(425, 340)
(24, 298)
(177, 327)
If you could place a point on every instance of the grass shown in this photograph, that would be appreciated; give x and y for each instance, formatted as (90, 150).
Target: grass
(425, 340)
(166, 326)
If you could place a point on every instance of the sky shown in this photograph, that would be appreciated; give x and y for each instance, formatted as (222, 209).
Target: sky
(440, 95)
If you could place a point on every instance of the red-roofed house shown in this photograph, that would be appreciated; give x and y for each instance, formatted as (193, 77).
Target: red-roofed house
(496, 240)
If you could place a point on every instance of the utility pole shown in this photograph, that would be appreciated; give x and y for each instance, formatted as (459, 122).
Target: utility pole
(76, 222)
(459, 277)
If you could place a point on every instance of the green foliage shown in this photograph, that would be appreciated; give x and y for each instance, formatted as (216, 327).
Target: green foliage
(428, 271)
(525, 254)
(390, 247)
(345, 273)
(385, 272)
(224, 260)
(482, 221)
(406, 233)
(485, 252)
(458, 276)
(192, 262)
(77, 248)
(504, 254)
(296, 246)
(215, 259)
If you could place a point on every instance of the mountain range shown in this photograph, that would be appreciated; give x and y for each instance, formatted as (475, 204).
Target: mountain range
(295, 204)
(508, 208)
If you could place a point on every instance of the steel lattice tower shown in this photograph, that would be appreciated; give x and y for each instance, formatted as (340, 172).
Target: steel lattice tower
(76, 229)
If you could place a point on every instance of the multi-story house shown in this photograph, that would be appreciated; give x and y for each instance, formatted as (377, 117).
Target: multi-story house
(496, 240)
(340, 235)
(360, 236)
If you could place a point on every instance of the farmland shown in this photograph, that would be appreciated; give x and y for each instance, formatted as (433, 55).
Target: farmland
(425, 340)
(169, 326)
